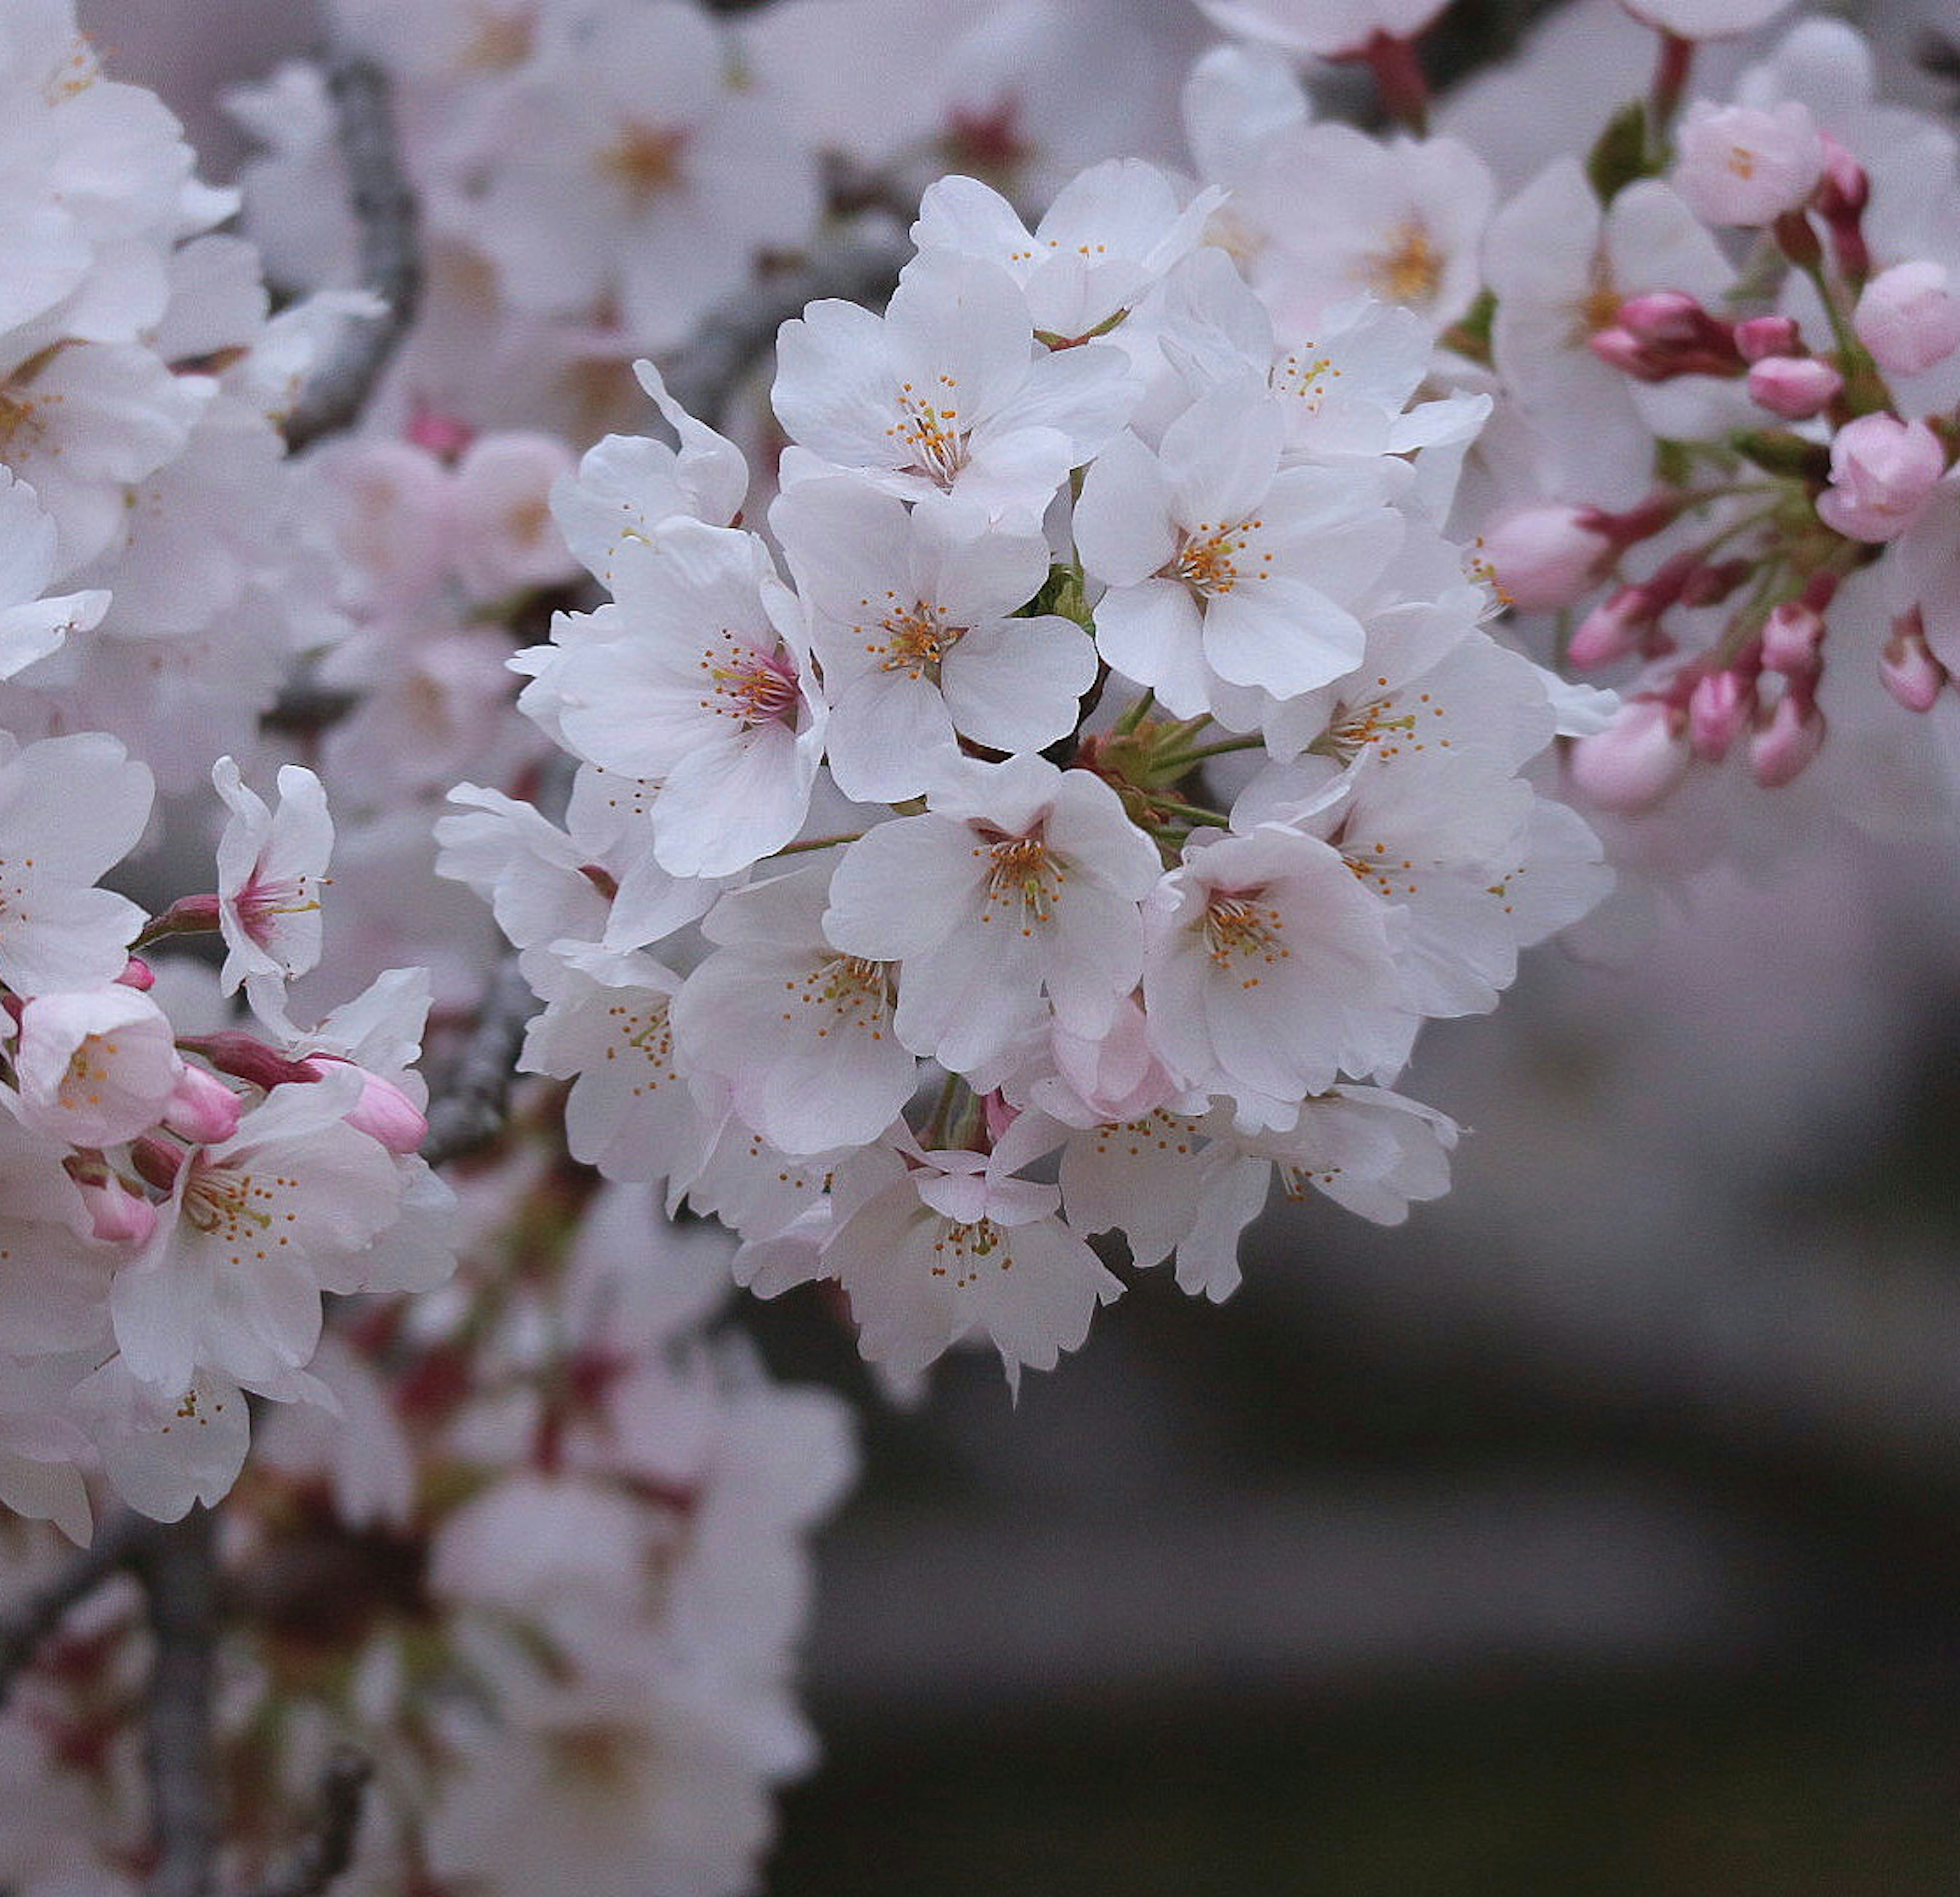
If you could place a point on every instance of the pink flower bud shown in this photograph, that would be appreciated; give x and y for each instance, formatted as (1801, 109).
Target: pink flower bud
(1780, 750)
(1612, 630)
(1765, 336)
(136, 974)
(1743, 166)
(116, 1215)
(1720, 706)
(1845, 188)
(1662, 316)
(1795, 387)
(202, 1108)
(1792, 636)
(1882, 470)
(247, 1059)
(1544, 557)
(1908, 318)
(385, 1113)
(156, 1161)
(1911, 673)
(1636, 760)
(1622, 349)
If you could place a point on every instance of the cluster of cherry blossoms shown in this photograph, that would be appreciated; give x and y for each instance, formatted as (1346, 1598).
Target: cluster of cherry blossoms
(1082, 831)
(180, 1192)
(543, 1570)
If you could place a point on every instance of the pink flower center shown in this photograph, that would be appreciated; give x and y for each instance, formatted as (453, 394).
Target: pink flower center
(751, 687)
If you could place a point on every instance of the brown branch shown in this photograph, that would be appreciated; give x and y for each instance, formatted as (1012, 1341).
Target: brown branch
(328, 1851)
(469, 1113)
(735, 336)
(179, 1568)
(384, 205)
(120, 1543)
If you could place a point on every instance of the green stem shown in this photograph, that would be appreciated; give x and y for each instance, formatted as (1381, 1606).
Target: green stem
(1190, 813)
(1181, 761)
(1135, 715)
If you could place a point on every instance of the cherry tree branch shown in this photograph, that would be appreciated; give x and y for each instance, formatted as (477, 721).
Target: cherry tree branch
(735, 336)
(328, 1851)
(470, 1111)
(120, 1543)
(179, 1568)
(384, 205)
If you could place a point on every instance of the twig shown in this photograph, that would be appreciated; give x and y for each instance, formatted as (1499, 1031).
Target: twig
(735, 336)
(384, 211)
(328, 1850)
(119, 1544)
(469, 1113)
(179, 1570)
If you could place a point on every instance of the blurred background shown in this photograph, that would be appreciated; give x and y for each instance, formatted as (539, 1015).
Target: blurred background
(1595, 1533)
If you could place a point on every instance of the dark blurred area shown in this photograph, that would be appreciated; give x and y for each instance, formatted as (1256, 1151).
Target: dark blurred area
(1595, 1533)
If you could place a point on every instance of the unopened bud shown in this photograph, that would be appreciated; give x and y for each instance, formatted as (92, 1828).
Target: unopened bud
(1636, 760)
(1757, 337)
(202, 1108)
(1541, 558)
(1611, 631)
(1663, 316)
(156, 1161)
(1912, 674)
(383, 1112)
(136, 974)
(247, 1059)
(1720, 706)
(1781, 749)
(1793, 635)
(116, 1215)
(1797, 388)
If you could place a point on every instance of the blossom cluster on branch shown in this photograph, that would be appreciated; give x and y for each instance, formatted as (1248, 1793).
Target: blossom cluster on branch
(972, 805)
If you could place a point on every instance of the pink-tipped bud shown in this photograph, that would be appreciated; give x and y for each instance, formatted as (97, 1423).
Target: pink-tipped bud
(1757, 337)
(1622, 349)
(1663, 316)
(1793, 640)
(1709, 583)
(1665, 333)
(385, 1113)
(202, 1108)
(1912, 674)
(247, 1059)
(1797, 387)
(156, 1161)
(1544, 557)
(136, 974)
(1612, 630)
(1882, 470)
(1780, 749)
(1909, 318)
(1636, 760)
(116, 1215)
(1719, 708)
(1844, 187)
